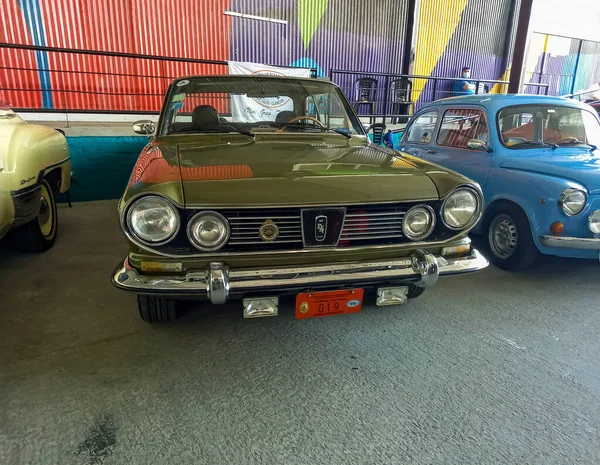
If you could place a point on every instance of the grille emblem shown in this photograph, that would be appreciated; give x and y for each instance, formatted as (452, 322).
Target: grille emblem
(268, 231)
(320, 228)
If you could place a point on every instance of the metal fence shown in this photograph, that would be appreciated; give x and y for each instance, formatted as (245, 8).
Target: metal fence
(75, 80)
(397, 96)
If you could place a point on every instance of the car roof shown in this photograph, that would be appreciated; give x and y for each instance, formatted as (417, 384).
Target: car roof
(255, 76)
(495, 102)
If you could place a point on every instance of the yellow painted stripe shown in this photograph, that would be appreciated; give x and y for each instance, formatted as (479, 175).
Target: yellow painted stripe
(501, 88)
(437, 21)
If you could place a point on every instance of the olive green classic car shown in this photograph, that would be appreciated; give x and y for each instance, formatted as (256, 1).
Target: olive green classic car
(35, 165)
(257, 186)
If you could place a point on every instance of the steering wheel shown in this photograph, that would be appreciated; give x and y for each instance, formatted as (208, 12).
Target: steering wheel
(567, 140)
(298, 118)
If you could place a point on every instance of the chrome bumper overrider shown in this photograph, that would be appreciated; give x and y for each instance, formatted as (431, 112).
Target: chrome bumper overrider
(217, 282)
(571, 242)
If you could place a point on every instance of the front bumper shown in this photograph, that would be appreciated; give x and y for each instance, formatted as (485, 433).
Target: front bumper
(217, 282)
(571, 242)
(27, 204)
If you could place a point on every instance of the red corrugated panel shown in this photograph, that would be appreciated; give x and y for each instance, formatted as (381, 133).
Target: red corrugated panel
(15, 30)
(190, 29)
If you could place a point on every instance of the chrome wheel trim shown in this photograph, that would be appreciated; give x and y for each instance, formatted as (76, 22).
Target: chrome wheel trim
(46, 214)
(503, 236)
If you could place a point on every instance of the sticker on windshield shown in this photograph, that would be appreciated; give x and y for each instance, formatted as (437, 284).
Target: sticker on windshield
(183, 82)
(178, 98)
(177, 106)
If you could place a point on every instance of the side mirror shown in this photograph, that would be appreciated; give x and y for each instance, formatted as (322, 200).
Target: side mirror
(478, 144)
(144, 127)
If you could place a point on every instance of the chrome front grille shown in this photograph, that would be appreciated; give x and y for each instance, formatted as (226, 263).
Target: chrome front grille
(373, 223)
(245, 227)
(363, 225)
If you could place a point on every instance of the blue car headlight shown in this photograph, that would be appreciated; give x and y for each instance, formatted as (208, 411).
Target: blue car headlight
(594, 222)
(572, 201)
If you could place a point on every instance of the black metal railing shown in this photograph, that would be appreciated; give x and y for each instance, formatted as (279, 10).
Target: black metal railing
(93, 80)
(385, 100)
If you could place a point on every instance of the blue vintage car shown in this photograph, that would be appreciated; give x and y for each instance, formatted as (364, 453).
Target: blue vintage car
(536, 160)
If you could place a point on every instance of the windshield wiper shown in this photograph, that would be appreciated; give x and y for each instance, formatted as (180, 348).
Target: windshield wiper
(319, 128)
(578, 142)
(535, 143)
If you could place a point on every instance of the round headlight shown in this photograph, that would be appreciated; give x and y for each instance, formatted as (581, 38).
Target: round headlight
(153, 220)
(418, 222)
(460, 208)
(594, 222)
(208, 231)
(572, 201)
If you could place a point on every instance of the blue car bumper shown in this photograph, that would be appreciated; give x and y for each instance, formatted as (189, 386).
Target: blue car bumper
(574, 247)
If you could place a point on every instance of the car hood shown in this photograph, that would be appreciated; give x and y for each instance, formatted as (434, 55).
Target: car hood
(298, 173)
(579, 165)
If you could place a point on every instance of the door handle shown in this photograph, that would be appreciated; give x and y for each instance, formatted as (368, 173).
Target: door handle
(432, 151)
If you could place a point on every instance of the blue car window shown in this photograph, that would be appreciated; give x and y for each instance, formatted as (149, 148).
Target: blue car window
(527, 126)
(421, 130)
(460, 125)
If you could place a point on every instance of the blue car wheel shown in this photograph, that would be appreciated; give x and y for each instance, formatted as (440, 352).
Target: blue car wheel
(509, 237)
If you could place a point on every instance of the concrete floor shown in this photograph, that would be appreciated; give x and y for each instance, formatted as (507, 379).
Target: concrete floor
(492, 368)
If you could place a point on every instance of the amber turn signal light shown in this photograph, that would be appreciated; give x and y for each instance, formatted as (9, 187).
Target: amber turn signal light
(557, 228)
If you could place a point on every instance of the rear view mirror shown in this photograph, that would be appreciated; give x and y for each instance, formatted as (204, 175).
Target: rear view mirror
(144, 127)
(478, 144)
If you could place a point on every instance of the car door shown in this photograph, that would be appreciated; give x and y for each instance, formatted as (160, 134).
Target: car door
(462, 143)
(419, 133)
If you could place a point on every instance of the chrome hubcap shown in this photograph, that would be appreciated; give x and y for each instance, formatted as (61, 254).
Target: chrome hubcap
(44, 214)
(503, 236)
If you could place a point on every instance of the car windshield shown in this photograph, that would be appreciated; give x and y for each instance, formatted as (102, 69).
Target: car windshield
(527, 126)
(251, 105)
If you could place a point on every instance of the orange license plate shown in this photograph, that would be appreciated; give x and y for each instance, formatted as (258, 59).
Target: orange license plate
(316, 304)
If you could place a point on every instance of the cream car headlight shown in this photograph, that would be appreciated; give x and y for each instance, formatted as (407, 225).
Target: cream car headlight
(594, 222)
(418, 222)
(461, 208)
(572, 201)
(153, 220)
(208, 231)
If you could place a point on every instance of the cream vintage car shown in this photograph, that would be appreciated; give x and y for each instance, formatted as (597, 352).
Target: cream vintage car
(35, 165)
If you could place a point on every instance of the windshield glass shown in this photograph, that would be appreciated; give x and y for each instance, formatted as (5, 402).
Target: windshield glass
(218, 104)
(527, 126)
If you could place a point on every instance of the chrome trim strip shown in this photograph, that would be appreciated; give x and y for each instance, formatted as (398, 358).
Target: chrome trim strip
(237, 207)
(277, 241)
(353, 216)
(375, 235)
(217, 282)
(571, 242)
(311, 250)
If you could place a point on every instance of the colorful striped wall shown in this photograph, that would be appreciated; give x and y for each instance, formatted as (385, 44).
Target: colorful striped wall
(566, 65)
(357, 35)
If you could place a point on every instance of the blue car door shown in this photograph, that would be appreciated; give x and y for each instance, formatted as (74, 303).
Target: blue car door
(462, 143)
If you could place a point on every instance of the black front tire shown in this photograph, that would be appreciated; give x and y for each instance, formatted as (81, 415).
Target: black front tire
(517, 230)
(156, 309)
(39, 234)
(414, 291)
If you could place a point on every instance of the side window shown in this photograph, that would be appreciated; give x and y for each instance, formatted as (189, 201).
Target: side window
(421, 131)
(459, 126)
